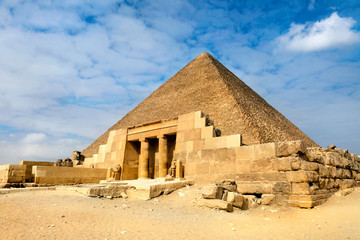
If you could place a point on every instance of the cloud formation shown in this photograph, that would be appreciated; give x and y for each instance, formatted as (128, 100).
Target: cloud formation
(331, 32)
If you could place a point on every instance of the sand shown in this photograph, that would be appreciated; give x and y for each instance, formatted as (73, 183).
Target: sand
(55, 214)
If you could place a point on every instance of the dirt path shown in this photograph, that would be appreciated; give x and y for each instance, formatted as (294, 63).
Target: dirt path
(67, 215)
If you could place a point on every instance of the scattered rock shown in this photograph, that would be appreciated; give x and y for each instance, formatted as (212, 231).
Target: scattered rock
(124, 195)
(123, 232)
(250, 201)
(235, 199)
(214, 203)
(344, 192)
(181, 194)
(211, 192)
(62, 216)
(227, 184)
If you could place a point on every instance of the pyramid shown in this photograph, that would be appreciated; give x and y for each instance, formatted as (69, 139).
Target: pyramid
(205, 84)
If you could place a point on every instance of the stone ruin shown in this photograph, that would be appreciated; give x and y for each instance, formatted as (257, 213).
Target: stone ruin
(206, 125)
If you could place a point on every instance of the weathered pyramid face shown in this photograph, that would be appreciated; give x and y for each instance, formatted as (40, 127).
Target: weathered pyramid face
(206, 85)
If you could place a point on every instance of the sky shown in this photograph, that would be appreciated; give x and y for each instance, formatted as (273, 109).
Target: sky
(69, 70)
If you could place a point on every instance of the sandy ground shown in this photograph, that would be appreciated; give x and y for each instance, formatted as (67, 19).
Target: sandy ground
(66, 215)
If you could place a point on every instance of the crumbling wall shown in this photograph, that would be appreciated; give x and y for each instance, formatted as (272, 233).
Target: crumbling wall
(29, 176)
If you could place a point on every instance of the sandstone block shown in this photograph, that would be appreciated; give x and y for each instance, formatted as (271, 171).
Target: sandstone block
(302, 176)
(284, 164)
(235, 199)
(227, 184)
(211, 192)
(215, 203)
(288, 148)
(267, 199)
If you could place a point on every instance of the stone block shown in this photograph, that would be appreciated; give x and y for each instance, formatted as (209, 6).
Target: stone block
(282, 188)
(199, 145)
(339, 173)
(244, 152)
(227, 184)
(254, 187)
(332, 171)
(288, 148)
(302, 176)
(207, 132)
(346, 183)
(284, 164)
(267, 199)
(235, 199)
(242, 166)
(189, 146)
(195, 134)
(186, 117)
(220, 142)
(211, 192)
(210, 143)
(347, 173)
(265, 150)
(225, 194)
(214, 203)
(281, 199)
(314, 154)
(199, 123)
(263, 165)
(233, 141)
(203, 168)
(309, 166)
(295, 163)
(250, 201)
(300, 188)
(323, 171)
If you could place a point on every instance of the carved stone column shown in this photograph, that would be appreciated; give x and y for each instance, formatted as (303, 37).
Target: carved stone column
(163, 168)
(144, 159)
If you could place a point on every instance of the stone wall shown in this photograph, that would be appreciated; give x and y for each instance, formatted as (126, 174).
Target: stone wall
(29, 176)
(63, 175)
(296, 175)
(12, 173)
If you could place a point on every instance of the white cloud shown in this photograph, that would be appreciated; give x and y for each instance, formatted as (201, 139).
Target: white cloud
(331, 32)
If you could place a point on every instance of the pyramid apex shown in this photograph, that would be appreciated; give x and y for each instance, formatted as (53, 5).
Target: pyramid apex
(204, 55)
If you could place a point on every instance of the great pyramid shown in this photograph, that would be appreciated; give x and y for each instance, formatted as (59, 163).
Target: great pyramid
(205, 84)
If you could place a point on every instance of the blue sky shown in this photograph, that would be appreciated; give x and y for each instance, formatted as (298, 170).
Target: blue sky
(70, 69)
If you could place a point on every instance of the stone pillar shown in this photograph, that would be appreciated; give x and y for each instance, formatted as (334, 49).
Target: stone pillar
(144, 159)
(163, 151)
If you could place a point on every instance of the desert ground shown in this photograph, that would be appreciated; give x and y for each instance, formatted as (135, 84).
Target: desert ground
(59, 214)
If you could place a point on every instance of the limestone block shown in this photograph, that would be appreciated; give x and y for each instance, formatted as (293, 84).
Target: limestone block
(250, 201)
(227, 184)
(200, 122)
(199, 145)
(214, 203)
(220, 142)
(210, 143)
(295, 163)
(330, 184)
(187, 117)
(347, 173)
(225, 195)
(207, 132)
(281, 199)
(288, 148)
(195, 134)
(211, 192)
(242, 166)
(245, 152)
(282, 188)
(302, 176)
(339, 173)
(300, 188)
(265, 150)
(203, 168)
(332, 159)
(346, 183)
(284, 164)
(267, 199)
(254, 187)
(332, 171)
(309, 166)
(314, 154)
(102, 149)
(189, 146)
(235, 199)
(263, 165)
(323, 171)
(233, 141)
